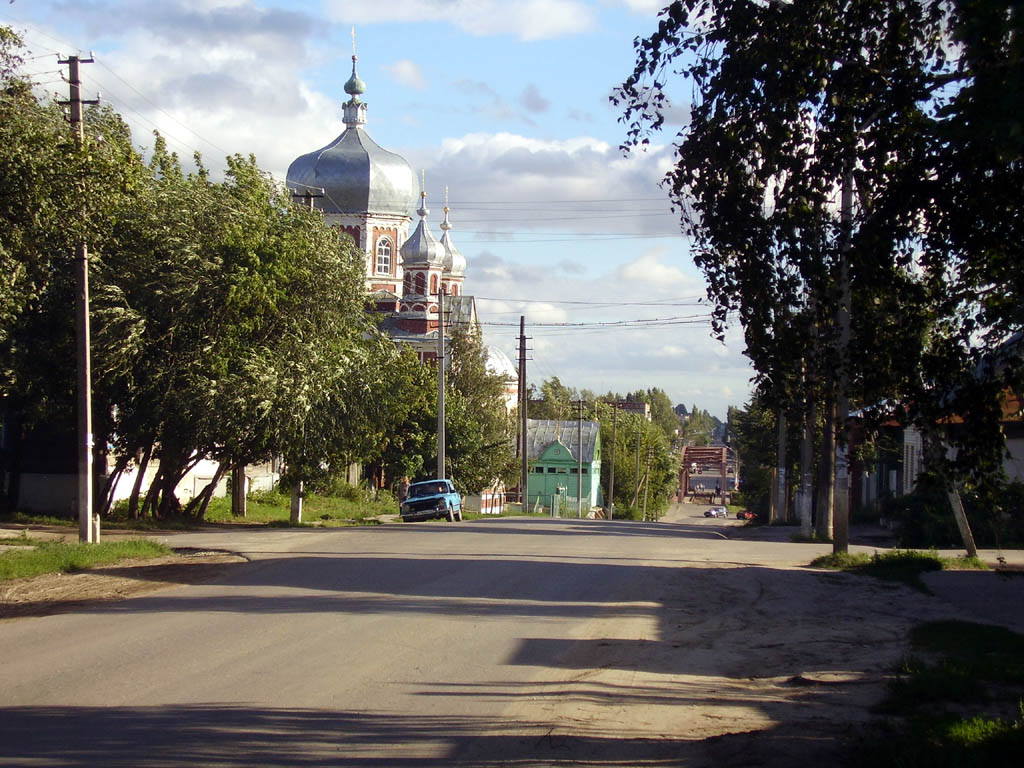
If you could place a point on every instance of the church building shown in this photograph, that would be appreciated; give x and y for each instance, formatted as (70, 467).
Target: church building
(368, 193)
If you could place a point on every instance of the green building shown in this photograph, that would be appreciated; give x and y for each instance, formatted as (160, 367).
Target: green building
(553, 450)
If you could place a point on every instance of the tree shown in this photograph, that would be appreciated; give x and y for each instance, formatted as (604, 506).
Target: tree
(229, 334)
(479, 432)
(556, 401)
(812, 177)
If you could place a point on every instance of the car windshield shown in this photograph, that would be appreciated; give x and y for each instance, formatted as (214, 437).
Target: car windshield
(426, 489)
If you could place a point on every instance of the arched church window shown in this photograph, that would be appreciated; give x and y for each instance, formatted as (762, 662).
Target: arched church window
(433, 284)
(421, 284)
(384, 256)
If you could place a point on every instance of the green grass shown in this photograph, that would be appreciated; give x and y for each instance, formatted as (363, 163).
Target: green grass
(272, 508)
(904, 566)
(24, 518)
(510, 510)
(62, 557)
(954, 694)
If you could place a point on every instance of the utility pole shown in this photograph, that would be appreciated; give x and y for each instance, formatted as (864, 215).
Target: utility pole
(524, 478)
(611, 476)
(440, 383)
(647, 481)
(88, 526)
(309, 196)
(298, 490)
(579, 462)
(636, 476)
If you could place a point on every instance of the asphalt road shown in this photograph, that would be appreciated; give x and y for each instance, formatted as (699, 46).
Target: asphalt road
(499, 642)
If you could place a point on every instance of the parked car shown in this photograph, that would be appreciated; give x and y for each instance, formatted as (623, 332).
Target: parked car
(716, 512)
(746, 514)
(430, 499)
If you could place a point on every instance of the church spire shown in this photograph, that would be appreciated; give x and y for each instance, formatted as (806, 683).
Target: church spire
(454, 261)
(354, 110)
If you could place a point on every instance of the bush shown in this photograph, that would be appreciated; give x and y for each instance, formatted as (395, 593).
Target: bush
(926, 520)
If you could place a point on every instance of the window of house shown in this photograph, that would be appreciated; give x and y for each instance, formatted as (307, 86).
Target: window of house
(538, 470)
(384, 256)
(551, 470)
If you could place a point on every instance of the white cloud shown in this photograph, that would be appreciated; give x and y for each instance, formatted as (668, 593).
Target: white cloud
(551, 185)
(648, 268)
(525, 19)
(406, 73)
(646, 7)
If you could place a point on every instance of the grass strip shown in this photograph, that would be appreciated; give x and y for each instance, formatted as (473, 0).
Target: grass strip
(904, 566)
(954, 693)
(62, 557)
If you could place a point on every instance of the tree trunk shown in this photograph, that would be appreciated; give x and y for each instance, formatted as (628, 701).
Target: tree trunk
(238, 490)
(935, 452)
(109, 487)
(826, 489)
(778, 509)
(133, 500)
(806, 493)
(199, 503)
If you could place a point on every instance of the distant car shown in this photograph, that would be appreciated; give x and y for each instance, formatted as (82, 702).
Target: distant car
(430, 499)
(746, 514)
(716, 512)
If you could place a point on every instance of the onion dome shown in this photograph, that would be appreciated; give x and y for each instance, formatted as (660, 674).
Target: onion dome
(422, 248)
(454, 261)
(500, 364)
(356, 174)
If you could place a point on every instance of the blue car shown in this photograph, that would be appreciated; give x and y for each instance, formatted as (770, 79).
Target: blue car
(430, 499)
(716, 512)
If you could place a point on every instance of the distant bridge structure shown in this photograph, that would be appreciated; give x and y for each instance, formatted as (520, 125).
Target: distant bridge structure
(706, 465)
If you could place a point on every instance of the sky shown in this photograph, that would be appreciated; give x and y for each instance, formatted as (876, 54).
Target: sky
(502, 102)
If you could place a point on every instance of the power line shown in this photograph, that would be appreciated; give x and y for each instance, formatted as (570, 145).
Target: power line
(681, 301)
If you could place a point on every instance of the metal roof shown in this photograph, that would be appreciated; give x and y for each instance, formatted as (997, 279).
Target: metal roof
(357, 176)
(540, 433)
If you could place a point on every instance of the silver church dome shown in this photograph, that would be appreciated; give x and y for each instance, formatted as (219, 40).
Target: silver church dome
(356, 174)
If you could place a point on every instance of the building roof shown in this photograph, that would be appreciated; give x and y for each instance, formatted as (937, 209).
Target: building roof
(356, 174)
(422, 248)
(540, 433)
(454, 261)
(500, 364)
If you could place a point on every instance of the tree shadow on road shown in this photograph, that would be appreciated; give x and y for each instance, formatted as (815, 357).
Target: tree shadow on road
(218, 735)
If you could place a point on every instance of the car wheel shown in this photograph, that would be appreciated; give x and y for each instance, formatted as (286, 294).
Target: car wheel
(458, 515)
(450, 515)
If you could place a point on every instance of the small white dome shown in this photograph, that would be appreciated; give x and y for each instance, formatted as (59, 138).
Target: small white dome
(500, 364)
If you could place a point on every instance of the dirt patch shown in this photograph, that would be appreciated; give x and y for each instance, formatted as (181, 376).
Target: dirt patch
(61, 592)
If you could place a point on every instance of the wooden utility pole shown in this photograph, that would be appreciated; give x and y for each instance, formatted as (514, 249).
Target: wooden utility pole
(636, 476)
(611, 469)
(298, 490)
(88, 526)
(579, 462)
(440, 383)
(309, 196)
(647, 481)
(524, 477)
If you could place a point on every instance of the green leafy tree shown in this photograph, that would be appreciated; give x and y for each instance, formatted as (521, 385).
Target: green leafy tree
(822, 172)
(479, 432)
